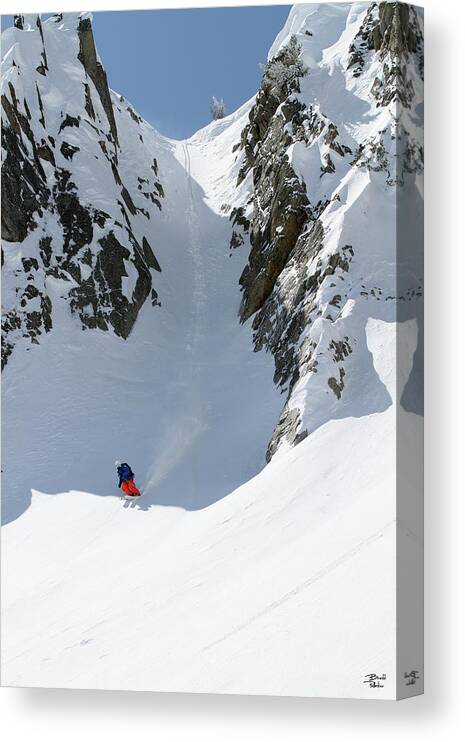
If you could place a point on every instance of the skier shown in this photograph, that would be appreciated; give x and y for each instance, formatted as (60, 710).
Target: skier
(126, 479)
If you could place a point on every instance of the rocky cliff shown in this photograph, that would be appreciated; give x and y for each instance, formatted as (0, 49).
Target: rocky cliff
(80, 187)
(332, 147)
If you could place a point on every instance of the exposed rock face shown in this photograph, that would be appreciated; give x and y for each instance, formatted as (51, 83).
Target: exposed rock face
(280, 201)
(79, 218)
(393, 30)
(88, 57)
(24, 186)
(102, 290)
(281, 204)
(313, 277)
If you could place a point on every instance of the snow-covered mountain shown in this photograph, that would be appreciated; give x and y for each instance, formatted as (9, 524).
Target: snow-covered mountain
(333, 136)
(80, 185)
(200, 308)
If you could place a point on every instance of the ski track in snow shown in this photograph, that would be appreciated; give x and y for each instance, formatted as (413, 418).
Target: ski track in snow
(306, 584)
(196, 252)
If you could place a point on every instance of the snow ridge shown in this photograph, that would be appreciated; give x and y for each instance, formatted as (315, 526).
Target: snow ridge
(332, 152)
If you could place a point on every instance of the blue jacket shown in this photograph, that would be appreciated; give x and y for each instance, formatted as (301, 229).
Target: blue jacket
(125, 473)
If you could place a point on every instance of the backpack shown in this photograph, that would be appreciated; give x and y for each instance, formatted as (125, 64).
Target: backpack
(125, 472)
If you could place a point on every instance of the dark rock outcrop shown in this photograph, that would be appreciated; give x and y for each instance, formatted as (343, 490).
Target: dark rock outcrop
(392, 30)
(88, 57)
(25, 191)
(280, 201)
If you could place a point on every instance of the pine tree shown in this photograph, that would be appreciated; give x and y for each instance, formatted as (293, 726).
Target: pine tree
(217, 108)
(282, 73)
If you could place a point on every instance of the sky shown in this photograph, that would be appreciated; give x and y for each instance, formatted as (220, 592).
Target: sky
(169, 63)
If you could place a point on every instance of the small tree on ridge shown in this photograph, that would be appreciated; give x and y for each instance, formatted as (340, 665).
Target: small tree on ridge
(217, 108)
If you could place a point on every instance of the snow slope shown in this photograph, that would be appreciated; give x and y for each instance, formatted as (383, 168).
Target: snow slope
(184, 398)
(173, 600)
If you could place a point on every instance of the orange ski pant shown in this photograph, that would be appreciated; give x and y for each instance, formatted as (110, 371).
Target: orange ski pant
(129, 488)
